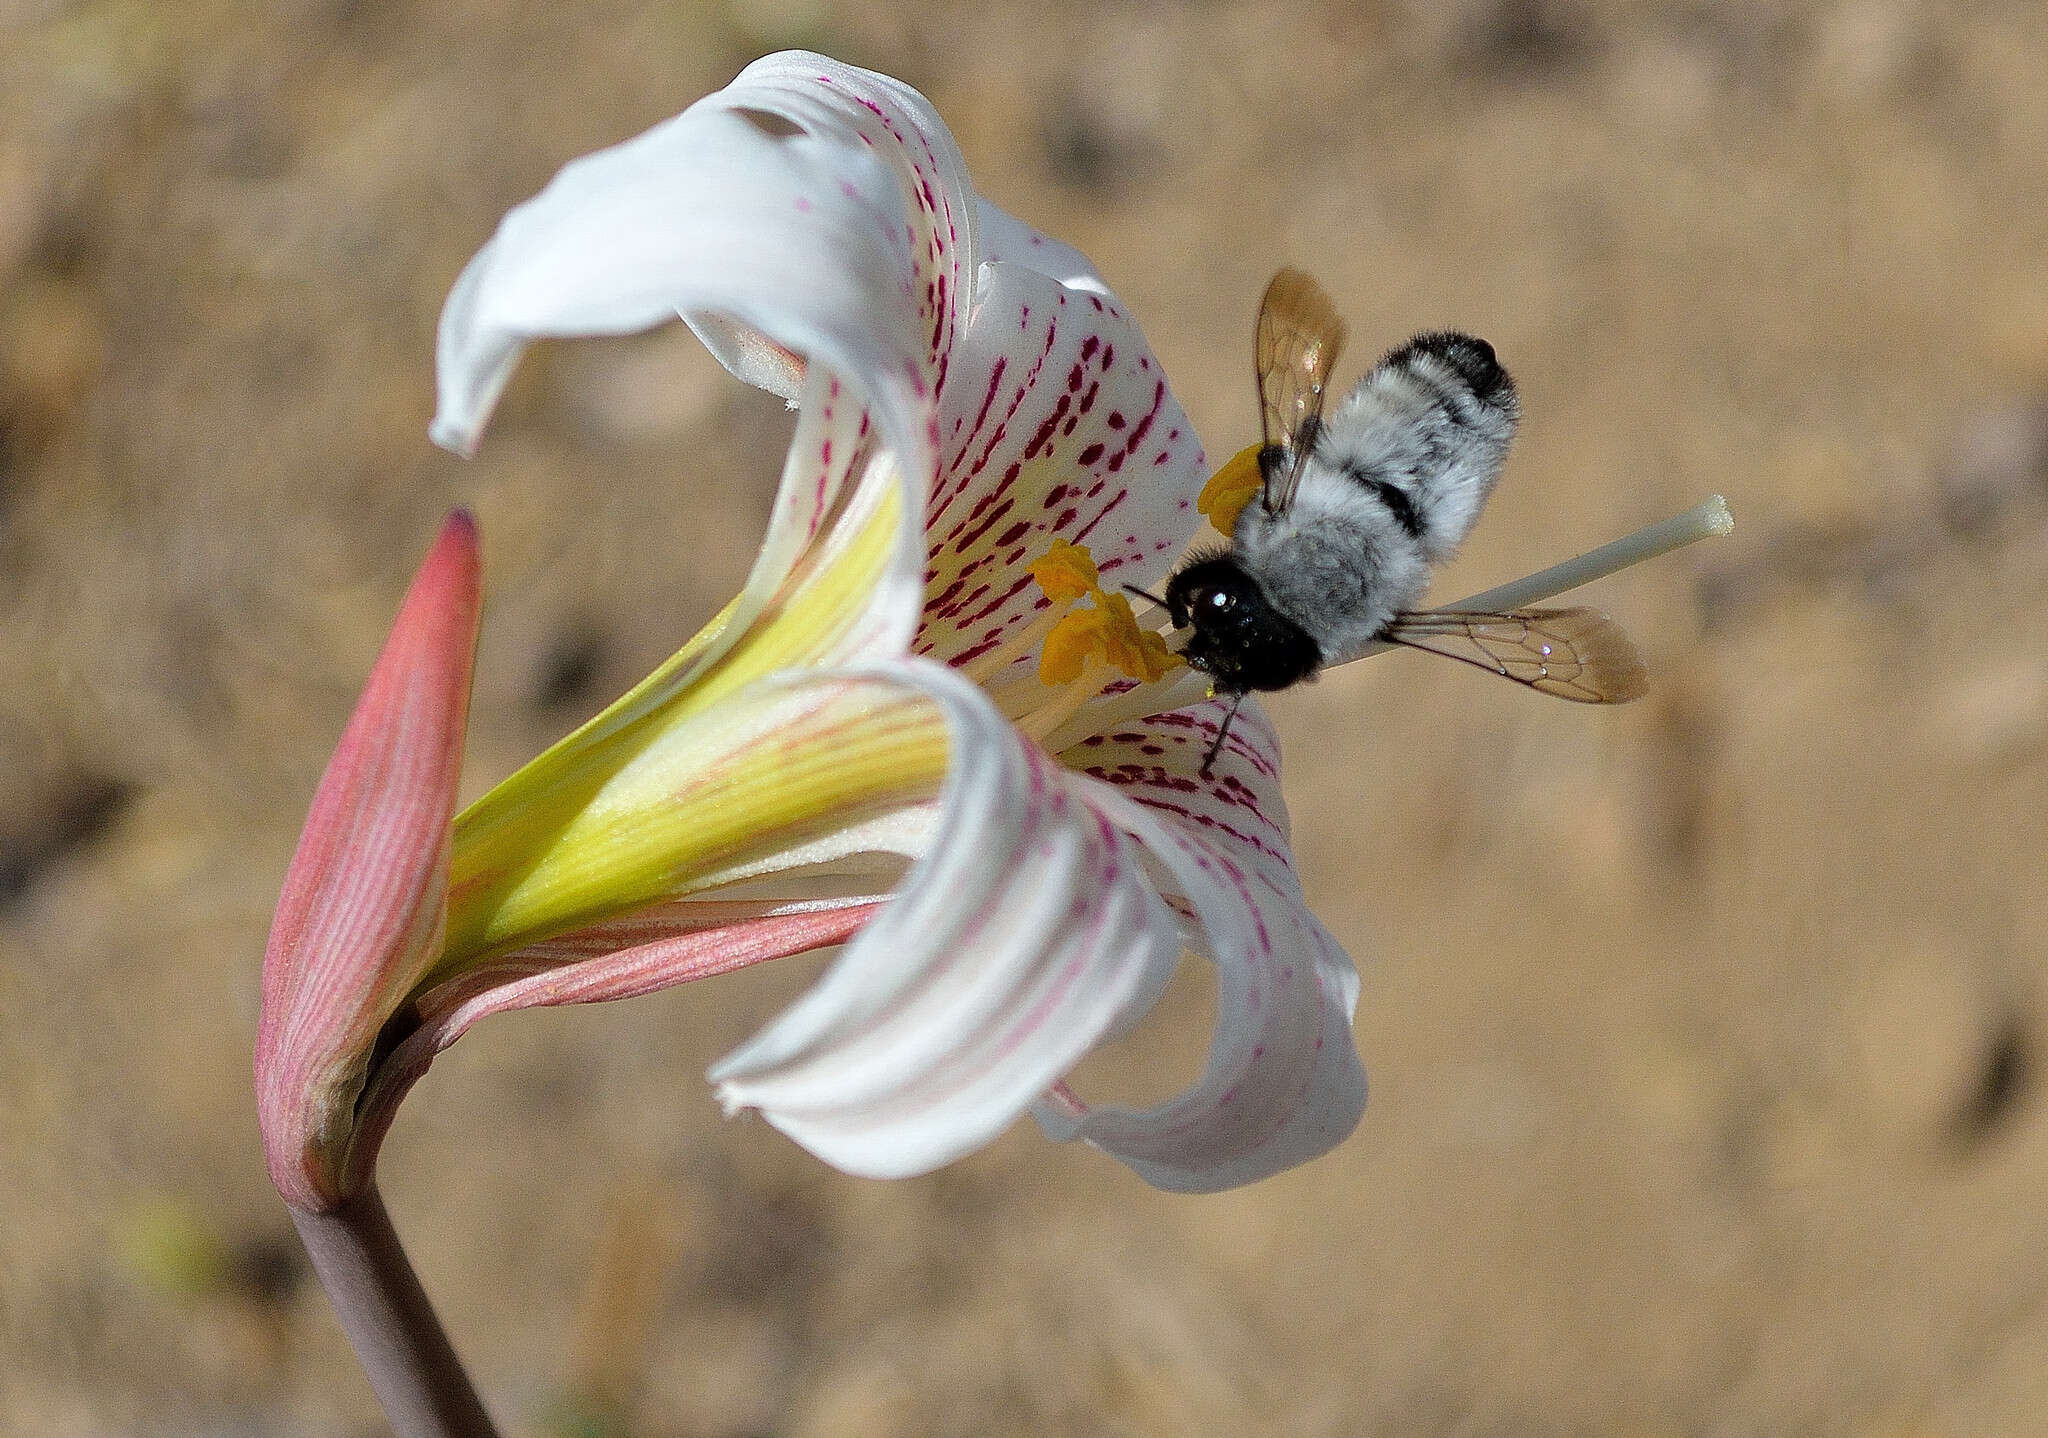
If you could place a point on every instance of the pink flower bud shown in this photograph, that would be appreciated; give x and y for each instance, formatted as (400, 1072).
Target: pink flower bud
(365, 901)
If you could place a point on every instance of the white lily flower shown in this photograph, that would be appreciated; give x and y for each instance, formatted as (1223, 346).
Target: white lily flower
(922, 662)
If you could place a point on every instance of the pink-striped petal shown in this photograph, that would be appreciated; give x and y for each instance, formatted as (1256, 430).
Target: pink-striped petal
(1283, 1082)
(1057, 422)
(361, 915)
(1027, 933)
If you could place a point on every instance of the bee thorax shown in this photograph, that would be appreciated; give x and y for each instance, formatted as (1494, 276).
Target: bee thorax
(1337, 562)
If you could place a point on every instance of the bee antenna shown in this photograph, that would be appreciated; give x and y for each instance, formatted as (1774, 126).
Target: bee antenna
(1222, 733)
(1144, 594)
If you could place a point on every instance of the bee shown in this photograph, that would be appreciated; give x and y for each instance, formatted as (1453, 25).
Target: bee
(1354, 511)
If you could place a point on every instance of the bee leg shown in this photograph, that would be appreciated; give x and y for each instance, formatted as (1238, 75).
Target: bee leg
(1222, 733)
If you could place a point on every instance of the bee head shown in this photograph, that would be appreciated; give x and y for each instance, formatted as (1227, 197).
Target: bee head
(1239, 637)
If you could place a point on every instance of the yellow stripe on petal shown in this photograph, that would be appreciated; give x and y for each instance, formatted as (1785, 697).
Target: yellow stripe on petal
(724, 771)
(1231, 488)
(798, 767)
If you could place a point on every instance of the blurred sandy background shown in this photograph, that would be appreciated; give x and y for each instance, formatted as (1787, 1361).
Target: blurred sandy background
(1707, 1035)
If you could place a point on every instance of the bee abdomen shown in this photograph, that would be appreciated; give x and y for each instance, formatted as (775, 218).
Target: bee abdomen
(1391, 496)
(1467, 357)
(1425, 434)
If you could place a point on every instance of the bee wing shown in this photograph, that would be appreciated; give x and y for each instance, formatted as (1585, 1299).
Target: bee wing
(1577, 654)
(1300, 335)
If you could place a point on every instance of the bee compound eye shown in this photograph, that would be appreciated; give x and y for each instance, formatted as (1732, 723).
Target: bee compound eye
(1219, 599)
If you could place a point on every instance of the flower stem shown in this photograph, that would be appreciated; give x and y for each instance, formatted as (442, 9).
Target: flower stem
(411, 1365)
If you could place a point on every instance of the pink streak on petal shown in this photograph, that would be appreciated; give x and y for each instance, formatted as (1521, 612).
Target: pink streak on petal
(705, 940)
(1047, 403)
(364, 899)
(1063, 1098)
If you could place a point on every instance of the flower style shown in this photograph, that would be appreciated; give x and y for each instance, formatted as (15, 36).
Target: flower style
(931, 661)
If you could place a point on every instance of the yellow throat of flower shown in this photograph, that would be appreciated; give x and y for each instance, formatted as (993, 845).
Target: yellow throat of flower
(1082, 653)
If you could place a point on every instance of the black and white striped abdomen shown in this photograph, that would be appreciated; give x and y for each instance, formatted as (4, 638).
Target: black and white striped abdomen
(1425, 434)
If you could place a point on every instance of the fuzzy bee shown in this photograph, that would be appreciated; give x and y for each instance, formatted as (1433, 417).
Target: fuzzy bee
(1355, 510)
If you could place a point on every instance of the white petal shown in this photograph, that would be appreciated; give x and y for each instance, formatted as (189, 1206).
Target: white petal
(1027, 934)
(801, 238)
(1002, 238)
(1283, 1082)
(829, 98)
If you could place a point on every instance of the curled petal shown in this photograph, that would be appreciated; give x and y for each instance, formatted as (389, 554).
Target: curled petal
(1026, 934)
(887, 119)
(799, 239)
(363, 905)
(1283, 1082)
(809, 212)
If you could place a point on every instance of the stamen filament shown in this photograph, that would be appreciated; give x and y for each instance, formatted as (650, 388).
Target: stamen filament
(1018, 696)
(1044, 720)
(1179, 690)
(1024, 641)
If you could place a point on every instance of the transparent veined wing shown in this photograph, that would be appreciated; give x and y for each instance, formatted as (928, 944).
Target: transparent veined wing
(1300, 336)
(1576, 654)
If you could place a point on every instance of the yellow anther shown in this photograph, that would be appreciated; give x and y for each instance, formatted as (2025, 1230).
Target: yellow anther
(1139, 653)
(1159, 661)
(1108, 634)
(1075, 640)
(1105, 636)
(1231, 488)
(1066, 572)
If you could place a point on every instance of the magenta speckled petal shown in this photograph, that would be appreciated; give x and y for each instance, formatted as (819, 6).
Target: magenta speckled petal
(1283, 1082)
(1057, 423)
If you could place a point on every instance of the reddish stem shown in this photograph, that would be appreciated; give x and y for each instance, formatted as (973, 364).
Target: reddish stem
(389, 1322)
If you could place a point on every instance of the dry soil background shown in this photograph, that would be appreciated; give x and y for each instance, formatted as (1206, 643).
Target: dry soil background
(1707, 1035)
